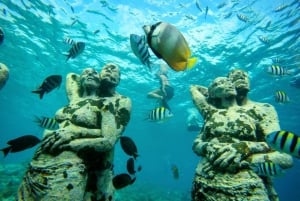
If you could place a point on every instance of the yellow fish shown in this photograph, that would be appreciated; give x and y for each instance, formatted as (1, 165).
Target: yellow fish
(168, 43)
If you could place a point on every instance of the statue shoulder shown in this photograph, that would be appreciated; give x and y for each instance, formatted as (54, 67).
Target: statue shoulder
(73, 86)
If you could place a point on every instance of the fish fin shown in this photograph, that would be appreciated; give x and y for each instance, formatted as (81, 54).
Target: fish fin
(191, 62)
(39, 91)
(6, 150)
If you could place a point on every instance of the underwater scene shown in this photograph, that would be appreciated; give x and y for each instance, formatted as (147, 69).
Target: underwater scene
(154, 64)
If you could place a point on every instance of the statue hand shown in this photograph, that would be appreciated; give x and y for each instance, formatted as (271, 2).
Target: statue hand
(54, 142)
(229, 157)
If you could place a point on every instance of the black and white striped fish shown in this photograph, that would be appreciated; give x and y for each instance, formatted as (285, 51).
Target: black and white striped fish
(48, 85)
(281, 97)
(284, 141)
(69, 41)
(76, 49)
(268, 169)
(160, 114)
(140, 49)
(242, 17)
(46, 122)
(278, 70)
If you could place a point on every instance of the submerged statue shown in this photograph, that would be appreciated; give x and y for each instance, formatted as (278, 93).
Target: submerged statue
(75, 162)
(4, 74)
(233, 138)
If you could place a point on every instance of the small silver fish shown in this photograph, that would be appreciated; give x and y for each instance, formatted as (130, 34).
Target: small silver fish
(242, 17)
(76, 49)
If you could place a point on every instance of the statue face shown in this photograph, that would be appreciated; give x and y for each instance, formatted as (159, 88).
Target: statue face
(221, 87)
(240, 80)
(89, 78)
(110, 75)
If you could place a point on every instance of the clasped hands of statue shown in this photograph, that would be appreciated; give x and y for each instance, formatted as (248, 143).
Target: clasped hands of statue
(226, 157)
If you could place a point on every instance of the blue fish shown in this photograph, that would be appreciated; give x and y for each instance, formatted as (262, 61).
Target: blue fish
(140, 49)
(284, 141)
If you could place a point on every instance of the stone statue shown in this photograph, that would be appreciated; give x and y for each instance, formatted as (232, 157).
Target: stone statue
(75, 162)
(233, 137)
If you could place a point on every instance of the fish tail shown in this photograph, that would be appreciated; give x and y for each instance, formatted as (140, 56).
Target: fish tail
(191, 62)
(6, 150)
(39, 91)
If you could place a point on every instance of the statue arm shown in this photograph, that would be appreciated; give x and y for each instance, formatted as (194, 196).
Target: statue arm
(200, 100)
(112, 126)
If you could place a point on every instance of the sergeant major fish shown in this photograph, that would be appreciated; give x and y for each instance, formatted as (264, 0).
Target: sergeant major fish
(76, 49)
(281, 97)
(168, 43)
(48, 85)
(242, 17)
(160, 114)
(46, 122)
(140, 49)
(20, 144)
(268, 169)
(284, 141)
(122, 180)
(278, 70)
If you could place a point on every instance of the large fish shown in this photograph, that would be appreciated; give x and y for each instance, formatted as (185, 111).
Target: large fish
(48, 85)
(284, 141)
(122, 180)
(20, 144)
(140, 49)
(168, 43)
(129, 146)
(76, 49)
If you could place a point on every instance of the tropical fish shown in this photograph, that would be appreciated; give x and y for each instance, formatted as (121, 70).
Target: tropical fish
(284, 141)
(175, 171)
(160, 114)
(69, 41)
(221, 5)
(122, 180)
(268, 169)
(130, 166)
(96, 31)
(48, 85)
(76, 49)
(281, 97)
(140, 49)
(264, 40)
(280, 8)
(206, 10)
(1, 36)
(128, 146)
(20, 144)
(278, 70)
(276, 60)
(242, 17)
(198, 5)
(46, 122)
(168, 43)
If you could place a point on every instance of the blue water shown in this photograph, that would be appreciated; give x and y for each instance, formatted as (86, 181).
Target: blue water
(33, 49)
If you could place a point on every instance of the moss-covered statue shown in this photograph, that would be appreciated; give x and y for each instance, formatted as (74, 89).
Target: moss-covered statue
(232, 141)
(75, 161)
(4, 74)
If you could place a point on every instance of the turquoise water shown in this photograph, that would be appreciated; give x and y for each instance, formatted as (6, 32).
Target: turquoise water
(33, 49)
